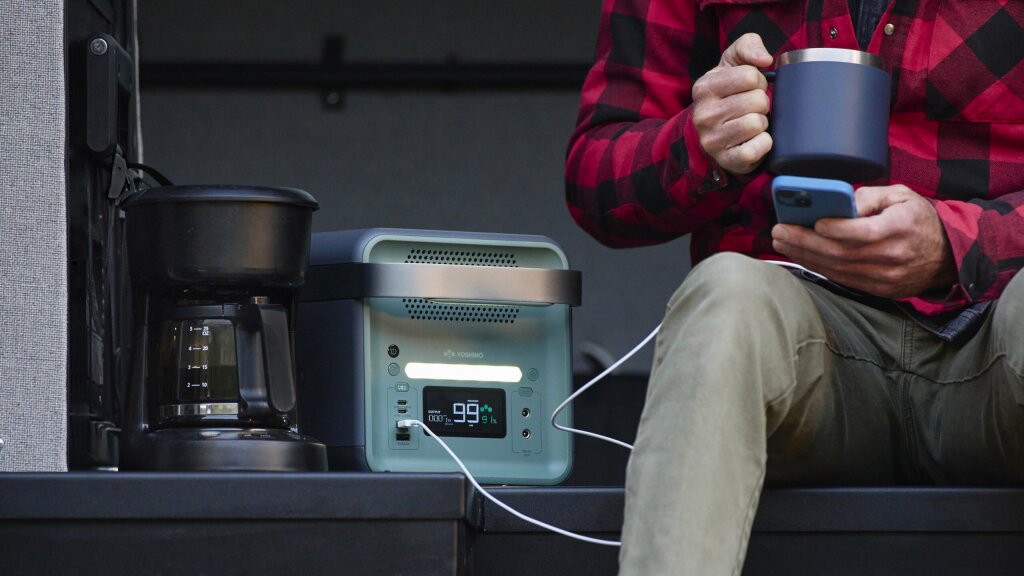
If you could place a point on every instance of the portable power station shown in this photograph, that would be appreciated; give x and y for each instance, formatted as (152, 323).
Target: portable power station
(468, 332)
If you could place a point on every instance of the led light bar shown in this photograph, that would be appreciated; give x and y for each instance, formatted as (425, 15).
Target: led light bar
(463, 372)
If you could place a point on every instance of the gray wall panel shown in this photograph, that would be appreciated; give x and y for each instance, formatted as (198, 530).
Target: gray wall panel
(33, 282)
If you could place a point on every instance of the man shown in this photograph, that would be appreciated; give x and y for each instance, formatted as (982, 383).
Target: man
(907, 368)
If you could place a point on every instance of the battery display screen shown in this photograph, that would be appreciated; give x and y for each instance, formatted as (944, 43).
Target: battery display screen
(475, 412)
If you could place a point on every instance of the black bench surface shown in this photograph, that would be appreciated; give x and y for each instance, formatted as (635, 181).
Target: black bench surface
(835, 531)
(425, 524)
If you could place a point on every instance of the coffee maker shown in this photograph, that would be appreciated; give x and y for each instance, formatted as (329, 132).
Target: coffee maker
(215, 271)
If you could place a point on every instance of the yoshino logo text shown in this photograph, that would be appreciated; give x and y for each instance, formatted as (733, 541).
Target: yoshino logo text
(464, 355)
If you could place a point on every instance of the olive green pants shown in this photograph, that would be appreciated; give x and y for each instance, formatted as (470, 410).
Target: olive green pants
(760, 377)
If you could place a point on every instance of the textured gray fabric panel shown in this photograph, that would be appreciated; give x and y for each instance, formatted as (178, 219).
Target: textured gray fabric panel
(33, 280)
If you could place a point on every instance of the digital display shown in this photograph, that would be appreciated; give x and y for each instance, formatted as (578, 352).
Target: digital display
(475, 412)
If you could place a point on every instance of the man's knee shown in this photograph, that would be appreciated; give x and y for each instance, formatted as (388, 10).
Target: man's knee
(740, 288)
(741, 315)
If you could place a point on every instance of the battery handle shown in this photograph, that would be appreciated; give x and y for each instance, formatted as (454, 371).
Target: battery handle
(444, 282)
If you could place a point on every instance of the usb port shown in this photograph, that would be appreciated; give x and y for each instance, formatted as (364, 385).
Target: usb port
(403, 410)
(403, 402)
(402, 434)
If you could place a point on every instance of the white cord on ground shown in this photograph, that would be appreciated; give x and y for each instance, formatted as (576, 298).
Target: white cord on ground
(593, 381)
(409, 423)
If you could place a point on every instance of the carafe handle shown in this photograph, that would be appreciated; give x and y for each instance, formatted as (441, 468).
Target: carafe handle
(277, 357)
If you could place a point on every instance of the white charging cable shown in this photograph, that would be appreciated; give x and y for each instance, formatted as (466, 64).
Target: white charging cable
(795, 266)
(630, 355)
(593, 381)
(411, 422)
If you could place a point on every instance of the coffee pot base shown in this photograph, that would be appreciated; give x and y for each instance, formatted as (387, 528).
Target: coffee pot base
(223, 450)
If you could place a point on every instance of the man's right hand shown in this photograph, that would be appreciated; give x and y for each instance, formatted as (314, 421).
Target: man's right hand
(730, 107)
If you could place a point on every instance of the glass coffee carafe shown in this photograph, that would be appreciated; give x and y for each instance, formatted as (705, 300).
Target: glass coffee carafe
(198, 369)
(223, 364)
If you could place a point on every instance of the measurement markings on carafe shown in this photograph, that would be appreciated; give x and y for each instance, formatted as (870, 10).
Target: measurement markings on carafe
(201, 379)
(198, 361)
(205, 368)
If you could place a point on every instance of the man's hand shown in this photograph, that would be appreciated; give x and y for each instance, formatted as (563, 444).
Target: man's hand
(897, 248)
(730, 106)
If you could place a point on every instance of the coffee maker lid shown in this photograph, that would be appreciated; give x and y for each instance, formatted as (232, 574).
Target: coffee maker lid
(223, 193)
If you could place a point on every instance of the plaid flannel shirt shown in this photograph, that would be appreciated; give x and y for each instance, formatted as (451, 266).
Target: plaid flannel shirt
(637, 175)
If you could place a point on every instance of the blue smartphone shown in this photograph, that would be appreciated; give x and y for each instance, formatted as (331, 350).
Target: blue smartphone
(803, 201)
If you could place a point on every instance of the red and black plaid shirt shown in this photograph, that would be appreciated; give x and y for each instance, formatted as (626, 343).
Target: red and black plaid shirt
(637, 175)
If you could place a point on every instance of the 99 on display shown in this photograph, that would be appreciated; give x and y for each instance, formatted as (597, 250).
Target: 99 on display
(474, 412)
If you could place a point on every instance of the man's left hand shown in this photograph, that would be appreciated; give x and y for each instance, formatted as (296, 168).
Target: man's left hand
(896, 248)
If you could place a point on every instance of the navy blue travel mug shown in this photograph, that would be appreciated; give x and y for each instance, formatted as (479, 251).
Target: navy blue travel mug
(830, 115)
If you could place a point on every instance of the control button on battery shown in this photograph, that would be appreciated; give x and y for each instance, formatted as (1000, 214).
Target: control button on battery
(394, 369)
(401, 387)
(533, 374)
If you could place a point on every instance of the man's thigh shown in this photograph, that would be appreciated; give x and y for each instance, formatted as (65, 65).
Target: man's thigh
(846, 429)
(967, 400)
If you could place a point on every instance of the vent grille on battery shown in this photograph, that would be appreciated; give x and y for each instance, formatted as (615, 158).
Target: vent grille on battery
(462, 258)
(420, 309)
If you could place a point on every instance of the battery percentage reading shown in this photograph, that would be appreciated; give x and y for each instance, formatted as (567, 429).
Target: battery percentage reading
(470, 412)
